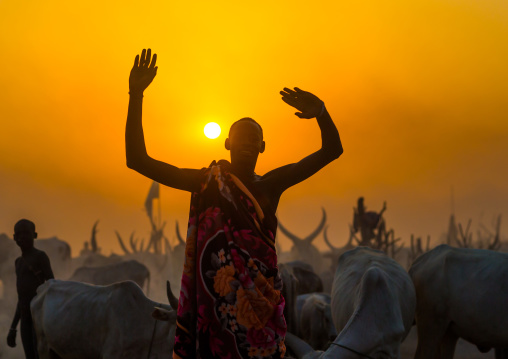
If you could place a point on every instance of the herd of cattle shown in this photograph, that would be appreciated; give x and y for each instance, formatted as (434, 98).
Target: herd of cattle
(372, 304)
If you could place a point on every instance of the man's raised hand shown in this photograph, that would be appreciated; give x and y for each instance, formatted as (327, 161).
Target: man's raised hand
(143, 72)
(309, 105)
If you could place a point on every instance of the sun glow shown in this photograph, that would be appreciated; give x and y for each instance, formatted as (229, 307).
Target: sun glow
(212, 130)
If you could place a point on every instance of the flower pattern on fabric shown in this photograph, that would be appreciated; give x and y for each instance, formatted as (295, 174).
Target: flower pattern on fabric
(222, 280)
(230, 300)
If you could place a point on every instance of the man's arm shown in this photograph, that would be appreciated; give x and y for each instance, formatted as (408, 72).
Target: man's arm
(15, 321)
(331, 147)
(17, 314)
(142, 74)
(11, 337)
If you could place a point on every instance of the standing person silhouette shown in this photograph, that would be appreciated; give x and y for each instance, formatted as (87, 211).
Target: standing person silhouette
(32, 269)
(230, 304)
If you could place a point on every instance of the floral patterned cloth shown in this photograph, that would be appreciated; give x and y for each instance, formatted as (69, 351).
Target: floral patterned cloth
(230, 302)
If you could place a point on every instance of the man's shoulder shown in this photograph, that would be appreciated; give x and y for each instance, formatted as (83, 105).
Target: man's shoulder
(277, 173)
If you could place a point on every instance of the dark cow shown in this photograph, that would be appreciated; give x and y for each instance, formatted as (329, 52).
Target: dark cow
(59, 252)
(315, 319)
(308, 280)
(116, 272)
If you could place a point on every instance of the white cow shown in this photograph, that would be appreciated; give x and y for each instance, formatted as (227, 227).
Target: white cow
(373, 306)
(462, 293)
(78, 320)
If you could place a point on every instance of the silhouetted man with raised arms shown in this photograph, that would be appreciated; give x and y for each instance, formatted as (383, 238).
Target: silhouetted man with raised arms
(32, 269)
(230, 303)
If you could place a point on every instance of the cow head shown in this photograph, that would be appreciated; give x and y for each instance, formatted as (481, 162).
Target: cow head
(164, 315)
(303, 248)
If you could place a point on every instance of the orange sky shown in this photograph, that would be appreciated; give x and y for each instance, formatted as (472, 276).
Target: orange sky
(417, 89)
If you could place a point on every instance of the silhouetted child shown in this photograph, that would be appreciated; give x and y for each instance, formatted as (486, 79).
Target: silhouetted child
(32, 269)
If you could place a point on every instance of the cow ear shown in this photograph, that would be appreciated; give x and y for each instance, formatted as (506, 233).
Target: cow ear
(164, 315)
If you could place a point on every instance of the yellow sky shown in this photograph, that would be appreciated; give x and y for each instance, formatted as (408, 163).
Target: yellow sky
(418, 90)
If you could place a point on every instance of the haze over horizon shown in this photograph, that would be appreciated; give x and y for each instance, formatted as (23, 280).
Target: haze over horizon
(417, 90)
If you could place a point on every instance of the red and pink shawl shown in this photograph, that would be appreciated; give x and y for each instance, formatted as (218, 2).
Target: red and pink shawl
(230, 302)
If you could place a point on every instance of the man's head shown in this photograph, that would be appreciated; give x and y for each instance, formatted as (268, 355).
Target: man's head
(24, 234)
(245, 141)
(246, 119)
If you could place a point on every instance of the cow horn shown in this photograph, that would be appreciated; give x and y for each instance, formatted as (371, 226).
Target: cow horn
(318, 230)
(325, 236)
(278, 249)
(298, 346)
(178, 235)
(133, 242)
(93, 240)
(288, 234)
(122, 245)
(173, 301)
(167, 246)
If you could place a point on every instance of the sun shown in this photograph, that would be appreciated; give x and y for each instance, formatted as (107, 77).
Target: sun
(212, 130)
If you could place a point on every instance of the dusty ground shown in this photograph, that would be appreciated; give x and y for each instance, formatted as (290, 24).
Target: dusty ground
(464, 350)
(5, 322)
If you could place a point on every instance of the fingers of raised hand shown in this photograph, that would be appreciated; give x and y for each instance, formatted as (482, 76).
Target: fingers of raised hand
(142, 59)
(286, 100)
(306, 95)
(145, 60)
(289, 91)
(290, 100)
(154, 60)
(289, 96)
(300, 91)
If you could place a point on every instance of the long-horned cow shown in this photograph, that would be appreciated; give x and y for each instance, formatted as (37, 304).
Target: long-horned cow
(112, 273)
(461, 293)
(334, 255)
(373, 306)
(303, 249)
(78, 320)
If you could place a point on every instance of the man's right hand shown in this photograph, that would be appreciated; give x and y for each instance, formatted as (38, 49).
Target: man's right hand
(11, 338)
(143, 72)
